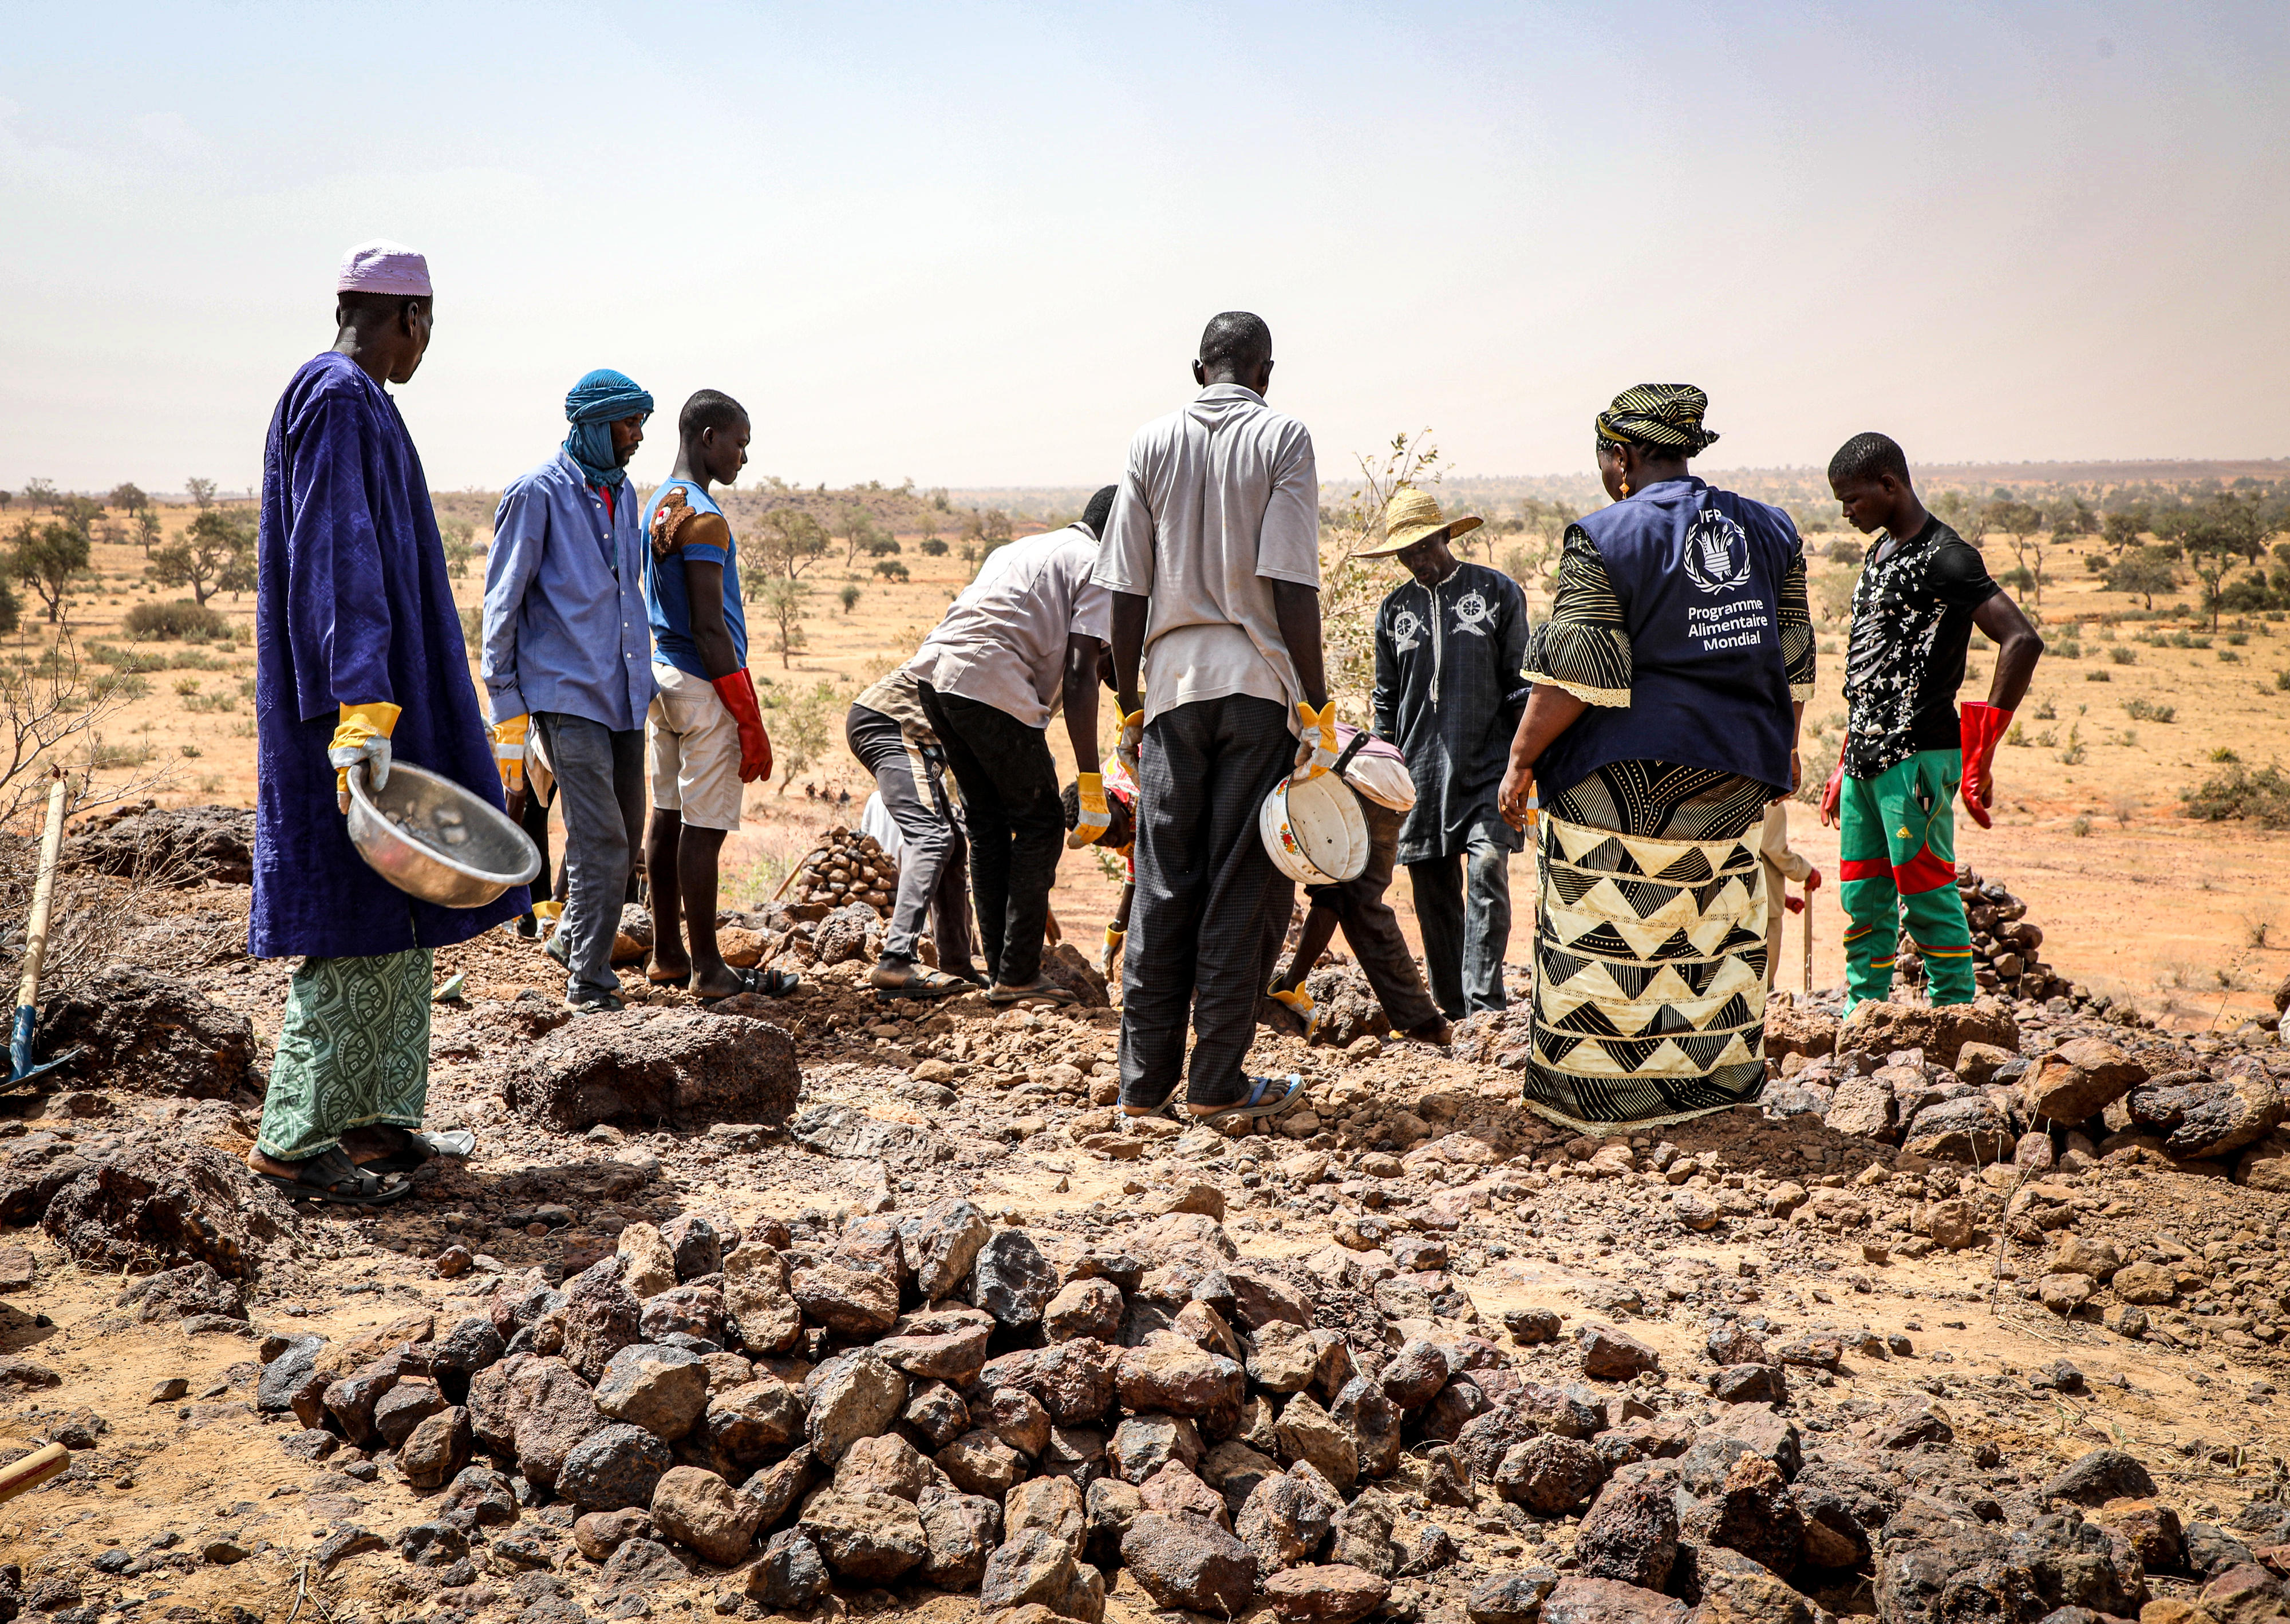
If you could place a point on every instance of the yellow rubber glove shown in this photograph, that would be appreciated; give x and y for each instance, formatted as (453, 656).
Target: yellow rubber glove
(1132, 741)
(1317, 752)
(362, 736)
(1108, 961)
(1096, 817)
(508, 735)
(548, 910)
(1299, 1001)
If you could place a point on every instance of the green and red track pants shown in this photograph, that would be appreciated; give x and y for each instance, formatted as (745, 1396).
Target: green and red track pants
(1897, 863)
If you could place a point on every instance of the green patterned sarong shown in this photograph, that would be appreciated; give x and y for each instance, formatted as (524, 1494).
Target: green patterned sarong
(354, 1051)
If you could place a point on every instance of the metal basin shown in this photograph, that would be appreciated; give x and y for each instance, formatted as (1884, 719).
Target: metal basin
(491, 855)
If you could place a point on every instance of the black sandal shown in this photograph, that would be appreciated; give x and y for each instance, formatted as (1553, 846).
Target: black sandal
(767, 983)
(922, 983)
(331, 1177)
(421, 1147)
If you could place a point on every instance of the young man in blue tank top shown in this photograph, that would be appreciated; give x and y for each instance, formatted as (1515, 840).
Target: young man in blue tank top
(704, 735)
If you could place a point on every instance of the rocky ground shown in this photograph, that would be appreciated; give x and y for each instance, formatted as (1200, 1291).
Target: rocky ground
(820, 1306)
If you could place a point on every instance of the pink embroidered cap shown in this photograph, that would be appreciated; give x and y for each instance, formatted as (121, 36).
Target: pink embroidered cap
(384, 267)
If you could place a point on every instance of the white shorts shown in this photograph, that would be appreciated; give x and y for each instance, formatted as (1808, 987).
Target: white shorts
(692, 750)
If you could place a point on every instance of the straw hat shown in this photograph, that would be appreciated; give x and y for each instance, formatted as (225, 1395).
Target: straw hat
(1409, 518)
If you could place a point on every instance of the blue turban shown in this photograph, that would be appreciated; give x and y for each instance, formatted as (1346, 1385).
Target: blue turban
(598, 401)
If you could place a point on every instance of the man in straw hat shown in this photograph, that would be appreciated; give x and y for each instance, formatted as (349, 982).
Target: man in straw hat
(568, 659)
(1213, 558)
(1449, 646)
(359, 661)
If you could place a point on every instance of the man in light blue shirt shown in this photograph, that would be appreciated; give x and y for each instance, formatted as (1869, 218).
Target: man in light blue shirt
(568, 657)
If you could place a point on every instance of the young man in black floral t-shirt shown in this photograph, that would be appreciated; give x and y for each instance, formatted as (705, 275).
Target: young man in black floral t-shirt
(1906, 751)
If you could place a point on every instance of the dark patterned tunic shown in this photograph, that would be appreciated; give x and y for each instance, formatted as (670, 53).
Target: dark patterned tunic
(1911, 623)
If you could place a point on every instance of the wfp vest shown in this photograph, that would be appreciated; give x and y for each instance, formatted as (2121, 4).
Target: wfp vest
(1698, 573)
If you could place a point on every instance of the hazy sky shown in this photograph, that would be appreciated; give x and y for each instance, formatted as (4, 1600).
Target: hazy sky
(976, 244)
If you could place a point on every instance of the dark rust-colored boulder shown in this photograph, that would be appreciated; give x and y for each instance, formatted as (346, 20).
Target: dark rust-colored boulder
(170, 846)
(657, 1065)
(143, 1033)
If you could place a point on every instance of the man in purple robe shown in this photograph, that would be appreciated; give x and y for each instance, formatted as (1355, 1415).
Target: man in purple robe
(360, 660)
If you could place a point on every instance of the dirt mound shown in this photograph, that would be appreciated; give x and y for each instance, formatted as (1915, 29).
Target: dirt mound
(145, 1033)
(179, 845)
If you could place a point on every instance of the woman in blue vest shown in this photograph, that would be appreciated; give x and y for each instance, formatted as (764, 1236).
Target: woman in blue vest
(1668, 683)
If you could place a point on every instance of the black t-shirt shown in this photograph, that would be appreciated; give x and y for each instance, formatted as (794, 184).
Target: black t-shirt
(1911, 624)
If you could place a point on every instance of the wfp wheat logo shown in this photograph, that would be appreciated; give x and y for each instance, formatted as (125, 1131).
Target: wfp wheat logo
(1717, 552)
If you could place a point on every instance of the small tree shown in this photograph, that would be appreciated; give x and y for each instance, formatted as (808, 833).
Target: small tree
(80, 512)
(802, 729)
(933, 548)
(128, 497)
(850, 595)
(202, 491)
(40, 493)
(2143, 571)
(12, 610)
(930, 529)
(890, 569)
(146, 528)
(782, 600)
(47, 559)
(2123, 528)
(1351, 587)
(2212, 547)
(790, 539)
(215, 555)
(858, 527)
(2020, 523)
(458, 537)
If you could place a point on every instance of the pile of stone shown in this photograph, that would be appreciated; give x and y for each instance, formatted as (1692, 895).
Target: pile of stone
(1952, 1084)
(848, 867)
(2007, 945)
(925, 1398)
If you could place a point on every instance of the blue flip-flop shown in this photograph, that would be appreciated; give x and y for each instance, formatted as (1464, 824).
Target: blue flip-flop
(1267, 1097)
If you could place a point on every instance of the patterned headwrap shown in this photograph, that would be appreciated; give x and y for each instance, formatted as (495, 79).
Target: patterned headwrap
(1667, 415)
(598, 401)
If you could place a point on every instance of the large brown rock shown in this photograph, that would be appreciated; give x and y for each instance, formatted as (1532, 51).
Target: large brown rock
(706, 1513)
(551, 1409)
(1631, 1533)
(1941, 1031)
(855, 1396)
(1288, 1518)
(144, 1033)
(653, 1066)
(1177, 1377)
(751, 1422)
(855, 1301)
(943, 1244)
(2205, 1114)
(942, 1344)
(961, 1532)
(757, 1300)
(662, 1390)
(1328, 1593)
(1866, 1109)
(601, 1318)
(868, 1540)
(1581, 1600)
(1791, 1029)
(1184, 1562)
(2079, 1079)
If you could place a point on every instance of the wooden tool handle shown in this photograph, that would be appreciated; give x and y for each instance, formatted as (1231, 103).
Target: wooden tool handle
(33, 1470)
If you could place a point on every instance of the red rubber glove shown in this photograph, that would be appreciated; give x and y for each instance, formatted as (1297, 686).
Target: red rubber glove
(738, 692)
(1982, 727)
(1797, 905)
(1833, 794)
